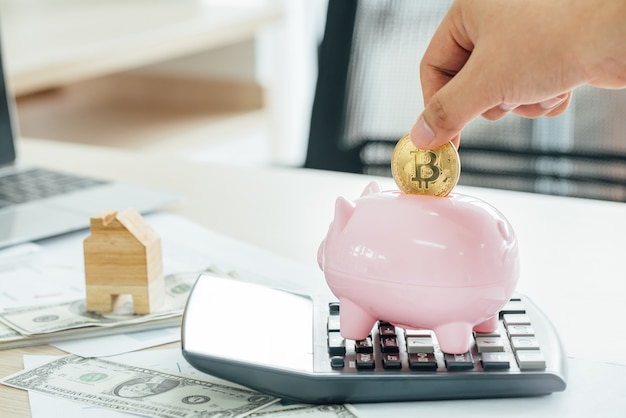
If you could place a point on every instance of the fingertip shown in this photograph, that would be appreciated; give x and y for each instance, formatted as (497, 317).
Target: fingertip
(422, 134)
(463, 98)
(554, 102)
(447, 112)
(561, 108)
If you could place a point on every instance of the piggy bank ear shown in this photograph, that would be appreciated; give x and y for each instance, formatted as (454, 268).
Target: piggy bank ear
(373, 187)
(343, 211)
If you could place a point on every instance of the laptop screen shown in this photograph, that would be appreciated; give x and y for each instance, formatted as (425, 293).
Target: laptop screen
(7, 147)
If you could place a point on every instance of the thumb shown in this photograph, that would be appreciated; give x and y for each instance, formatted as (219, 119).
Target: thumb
(452, 107)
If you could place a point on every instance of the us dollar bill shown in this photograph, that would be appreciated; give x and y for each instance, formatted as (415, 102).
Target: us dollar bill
(53, 318)
(137, 390)
(8, 334)
(317, 411)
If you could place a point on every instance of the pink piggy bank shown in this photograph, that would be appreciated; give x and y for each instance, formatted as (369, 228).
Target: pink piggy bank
(448, 264)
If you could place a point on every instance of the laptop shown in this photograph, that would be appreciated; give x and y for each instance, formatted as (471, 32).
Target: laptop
(37, 203)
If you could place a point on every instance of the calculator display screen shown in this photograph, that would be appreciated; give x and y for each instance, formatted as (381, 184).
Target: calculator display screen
(229, 319)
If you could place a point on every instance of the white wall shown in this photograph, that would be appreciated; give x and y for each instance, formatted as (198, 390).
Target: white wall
(283, 59)
(288, 66)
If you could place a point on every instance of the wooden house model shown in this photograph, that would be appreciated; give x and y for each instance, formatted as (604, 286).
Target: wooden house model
(123, 257)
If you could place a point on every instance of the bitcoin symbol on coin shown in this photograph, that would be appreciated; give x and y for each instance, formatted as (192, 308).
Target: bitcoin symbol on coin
(426, 169)
(431, 172)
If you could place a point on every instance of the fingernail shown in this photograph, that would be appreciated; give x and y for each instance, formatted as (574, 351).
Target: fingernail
(507, 107)
(421, 134)
(553, 102)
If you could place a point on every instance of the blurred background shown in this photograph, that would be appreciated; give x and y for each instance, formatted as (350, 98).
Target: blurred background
(236, 82)
(217, 80)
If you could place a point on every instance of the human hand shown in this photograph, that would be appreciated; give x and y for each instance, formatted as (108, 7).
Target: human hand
(491, 57)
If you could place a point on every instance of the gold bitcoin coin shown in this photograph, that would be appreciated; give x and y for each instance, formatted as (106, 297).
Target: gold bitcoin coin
(431, 172)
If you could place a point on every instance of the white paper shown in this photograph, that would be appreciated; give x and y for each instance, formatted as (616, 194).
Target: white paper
(119, 344)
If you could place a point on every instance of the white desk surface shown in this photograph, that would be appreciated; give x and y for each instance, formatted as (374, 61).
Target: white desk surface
(48, 43)
(573, 262)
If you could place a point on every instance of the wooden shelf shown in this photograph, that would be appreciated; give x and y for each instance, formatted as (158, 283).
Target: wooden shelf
(142, 112)
(49, 43)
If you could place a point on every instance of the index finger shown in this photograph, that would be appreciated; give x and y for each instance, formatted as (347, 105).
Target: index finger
(446, 54)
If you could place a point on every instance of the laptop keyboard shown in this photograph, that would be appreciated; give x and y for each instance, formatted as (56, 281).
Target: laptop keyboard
(34, 184)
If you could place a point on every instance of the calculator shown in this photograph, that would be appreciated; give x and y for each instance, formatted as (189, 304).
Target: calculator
(289, 345)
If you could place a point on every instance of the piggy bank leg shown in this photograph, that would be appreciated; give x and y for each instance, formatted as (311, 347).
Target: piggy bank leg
(489, 325)
(454, 338)
(356, 324)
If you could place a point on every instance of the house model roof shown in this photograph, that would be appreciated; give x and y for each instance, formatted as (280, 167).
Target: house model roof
(128, 219)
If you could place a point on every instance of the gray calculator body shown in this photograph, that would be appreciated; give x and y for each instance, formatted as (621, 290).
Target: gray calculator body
(289, 346)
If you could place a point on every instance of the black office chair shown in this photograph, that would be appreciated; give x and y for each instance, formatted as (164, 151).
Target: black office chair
(368, 96)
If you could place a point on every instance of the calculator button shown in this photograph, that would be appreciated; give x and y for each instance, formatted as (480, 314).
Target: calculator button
(495, 361)
(520, 330)
(333, 308)
(420, 345)
(489, 344)
(337, 362)
(364, 346)
(513, 307)
(495, 333)
(456, 362)
(333, 323)
(392, 361)
(516, 319)
(422, 361)
(386, 329)
(530, 360)
(424, 333)
(389, 344)
(524, 343)
(364, 361)
(336, 344)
